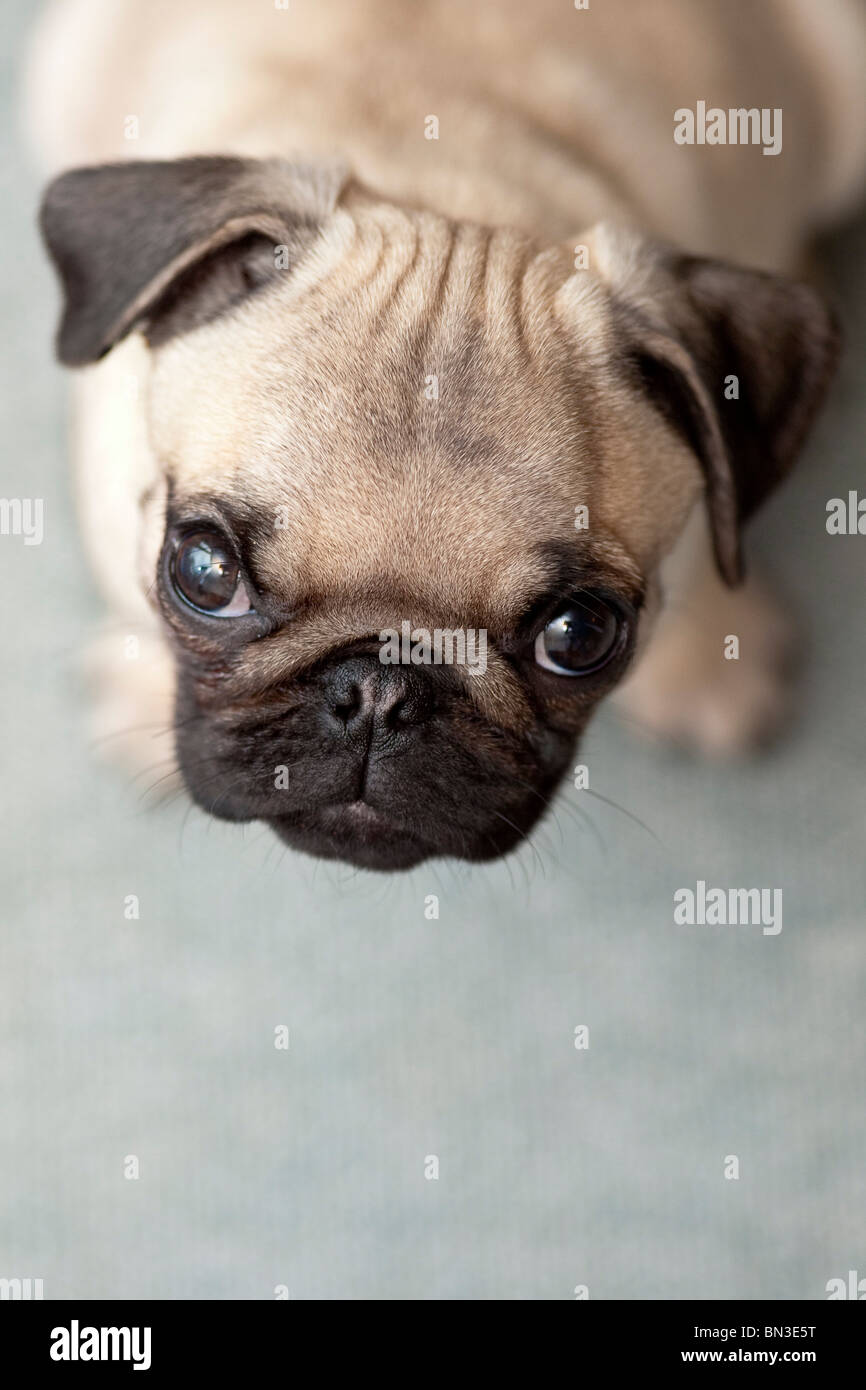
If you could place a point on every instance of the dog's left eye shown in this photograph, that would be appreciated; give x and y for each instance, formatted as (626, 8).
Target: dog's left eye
(206, 574)
(581, 638)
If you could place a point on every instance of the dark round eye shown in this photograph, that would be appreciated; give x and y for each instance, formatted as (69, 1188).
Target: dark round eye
(207, 575)
(581, 638)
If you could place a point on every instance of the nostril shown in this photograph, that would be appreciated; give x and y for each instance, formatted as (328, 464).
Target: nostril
(412, 704)
(397, 713)
(347, 704)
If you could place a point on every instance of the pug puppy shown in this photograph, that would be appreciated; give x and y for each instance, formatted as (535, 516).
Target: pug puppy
(394, 316)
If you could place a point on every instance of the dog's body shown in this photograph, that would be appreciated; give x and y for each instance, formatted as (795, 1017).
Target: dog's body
(459, 267)
(550, 119)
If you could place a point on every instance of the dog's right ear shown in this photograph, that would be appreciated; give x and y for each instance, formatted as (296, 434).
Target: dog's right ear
(167, 245)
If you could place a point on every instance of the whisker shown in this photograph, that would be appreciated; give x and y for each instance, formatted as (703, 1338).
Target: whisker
(615, 804)
(525, 838)
(162, 730)
(563, 805)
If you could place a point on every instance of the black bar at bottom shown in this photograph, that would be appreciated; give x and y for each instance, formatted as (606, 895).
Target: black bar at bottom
(216, 1339)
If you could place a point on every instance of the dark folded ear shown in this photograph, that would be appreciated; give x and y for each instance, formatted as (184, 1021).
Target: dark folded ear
(738, 360)
(168, 244)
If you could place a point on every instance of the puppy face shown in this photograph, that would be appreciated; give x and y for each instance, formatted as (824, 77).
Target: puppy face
(368, 419)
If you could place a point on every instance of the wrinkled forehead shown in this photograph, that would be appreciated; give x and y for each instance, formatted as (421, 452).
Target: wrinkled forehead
(414, 412)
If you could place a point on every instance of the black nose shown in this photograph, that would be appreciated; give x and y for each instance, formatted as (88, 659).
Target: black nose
(363, 697)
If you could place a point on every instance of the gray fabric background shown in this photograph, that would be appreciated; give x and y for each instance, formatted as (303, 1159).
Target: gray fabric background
(412, 1037)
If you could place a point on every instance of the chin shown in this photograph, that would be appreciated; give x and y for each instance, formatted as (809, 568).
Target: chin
(359, 834)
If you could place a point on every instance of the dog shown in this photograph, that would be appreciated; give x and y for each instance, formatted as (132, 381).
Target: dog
(429, 317)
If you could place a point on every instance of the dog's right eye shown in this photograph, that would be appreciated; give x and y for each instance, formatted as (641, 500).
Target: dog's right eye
(207, 576)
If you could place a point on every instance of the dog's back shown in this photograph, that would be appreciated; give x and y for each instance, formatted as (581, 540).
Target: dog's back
(546, 114)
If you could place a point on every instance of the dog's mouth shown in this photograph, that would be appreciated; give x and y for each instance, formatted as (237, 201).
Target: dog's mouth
(359, 813)
(361, 834)
(355, 832)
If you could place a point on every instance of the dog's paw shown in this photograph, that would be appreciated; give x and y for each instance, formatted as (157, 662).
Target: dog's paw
(716, 676)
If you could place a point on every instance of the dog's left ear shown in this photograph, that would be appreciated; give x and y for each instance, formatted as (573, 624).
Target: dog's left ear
(738, 360)
(168, 244)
